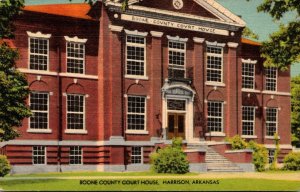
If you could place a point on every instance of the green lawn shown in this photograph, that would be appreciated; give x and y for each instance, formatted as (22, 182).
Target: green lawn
(237, 184)
(135, 181)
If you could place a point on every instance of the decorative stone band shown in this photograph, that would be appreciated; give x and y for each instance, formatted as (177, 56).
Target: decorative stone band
(215, 44)
(136, 32)
(38, 35)
(75, 39)
(198, 40)
(156, 33)
(232, 45)
(177, 38)
(249, 61)
(115, 28)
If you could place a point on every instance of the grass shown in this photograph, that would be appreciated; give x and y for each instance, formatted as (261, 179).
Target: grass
(74, 174)
(237, 184)
(68, 182)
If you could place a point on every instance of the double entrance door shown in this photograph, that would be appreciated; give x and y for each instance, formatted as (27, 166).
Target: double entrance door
(176, 125)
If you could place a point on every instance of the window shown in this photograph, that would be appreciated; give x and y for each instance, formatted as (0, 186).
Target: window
(176, 59)
(75, 155)
(136, 113)
(75, 57)
(248, 75)
(38, 53)
(39, 105)
(271, 122)
(215, 116)
(39, 155)
(248, 120)
(135, 55)
(137, 155)
(75, 112)
(214, 64)
(271, 153)
(271, 78)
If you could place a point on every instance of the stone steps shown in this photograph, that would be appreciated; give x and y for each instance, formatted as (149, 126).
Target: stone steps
(218, 163)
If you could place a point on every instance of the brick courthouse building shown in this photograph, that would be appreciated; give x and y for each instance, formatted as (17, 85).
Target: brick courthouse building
(109, 87)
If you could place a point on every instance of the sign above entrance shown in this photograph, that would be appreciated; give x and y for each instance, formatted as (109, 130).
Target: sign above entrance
(179, 91)
(172, 24)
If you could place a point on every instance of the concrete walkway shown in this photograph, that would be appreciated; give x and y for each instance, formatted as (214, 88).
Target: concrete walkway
(271, 176)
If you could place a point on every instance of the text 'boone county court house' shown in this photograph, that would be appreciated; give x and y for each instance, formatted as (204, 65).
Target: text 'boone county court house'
(109, 86)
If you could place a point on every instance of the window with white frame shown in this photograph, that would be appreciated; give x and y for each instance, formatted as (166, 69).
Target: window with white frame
(215, 116)
(271, 121)
(135, 55)
(137, 155)
(39, 106)
(248, 120)
(75, 57)
(214, 65)
(38, 155)
(271, 154)
(177, 54)
(271, 78)
(75, 157)
(136, 113)
(248, 75)
(38, 53)
(75, 112)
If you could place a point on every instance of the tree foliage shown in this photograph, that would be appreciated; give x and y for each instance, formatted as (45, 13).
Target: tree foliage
(247, 32)
(295, 102)
(9, 9)
(13, 93)
(283, 47)
(13, 85)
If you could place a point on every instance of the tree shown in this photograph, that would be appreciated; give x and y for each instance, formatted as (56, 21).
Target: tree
(283, 47)
(247, 32)
(295, 91)
(13, 85)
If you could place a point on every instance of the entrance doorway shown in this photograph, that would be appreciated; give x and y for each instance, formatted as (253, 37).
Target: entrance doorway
(176, 125)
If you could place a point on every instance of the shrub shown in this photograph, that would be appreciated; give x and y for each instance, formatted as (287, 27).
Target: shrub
(292, 161)
(170, 159)
(259, 156)
(237, 142)
(4, 166)
(273, 165)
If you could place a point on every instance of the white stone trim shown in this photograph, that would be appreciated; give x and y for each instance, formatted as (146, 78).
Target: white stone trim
(238, 22)
(80, 76)
(156, 33)
(251, 90)
(136, 32)
(215, 43)
(238, 151)
(216, 84)
(38, 35)
(232, 45)
(249, 136)
(39, 130)
(177, 38)
(115, 28)
(198, 40)
(216, 134)
(282, 146)
(75, 39)
(272, 137)
(37, 72)
(277, 93)
(249, 61)
(137, 132)
(73, 131)
(136, 77)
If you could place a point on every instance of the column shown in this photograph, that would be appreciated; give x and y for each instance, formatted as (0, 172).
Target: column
(155, 76)
(198, 80)
(233, 90)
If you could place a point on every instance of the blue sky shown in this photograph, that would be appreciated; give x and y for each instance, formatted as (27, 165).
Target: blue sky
(260, 23)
